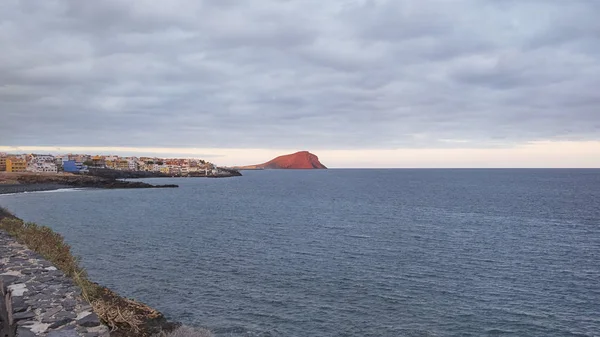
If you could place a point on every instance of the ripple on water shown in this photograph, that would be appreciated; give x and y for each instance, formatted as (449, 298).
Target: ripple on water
(349, 252)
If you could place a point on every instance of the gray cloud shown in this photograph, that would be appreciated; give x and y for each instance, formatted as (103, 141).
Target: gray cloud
(298, 73)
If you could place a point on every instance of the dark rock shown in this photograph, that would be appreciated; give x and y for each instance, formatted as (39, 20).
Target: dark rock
(89, 321)
(56, 274)
(66, 314)
(60, 323)
(20, 308)
(116, 174)
(49, 315)
(23, 315)
(69, 305)
(74, 289)
(45, 263)
(33, 255)
(40, 297)
(49, 319)
(25, 322)
(24, 332)
(38, 287)
(44, 279)
(18, 304)
(8, 279)
(66, 332)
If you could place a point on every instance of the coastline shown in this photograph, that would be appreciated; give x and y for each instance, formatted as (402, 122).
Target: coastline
(21, 182)
(23, 188)
(224, 172)
(98, 311)
(34, 182)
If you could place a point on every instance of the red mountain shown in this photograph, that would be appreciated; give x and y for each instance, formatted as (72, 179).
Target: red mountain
(298, 160)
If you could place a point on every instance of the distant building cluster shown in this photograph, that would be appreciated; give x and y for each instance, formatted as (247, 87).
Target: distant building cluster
(82, 163)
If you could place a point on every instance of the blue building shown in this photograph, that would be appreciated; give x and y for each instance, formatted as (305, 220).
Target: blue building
(74, 166)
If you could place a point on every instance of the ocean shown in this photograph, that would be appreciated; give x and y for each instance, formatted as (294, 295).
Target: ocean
(464, 252)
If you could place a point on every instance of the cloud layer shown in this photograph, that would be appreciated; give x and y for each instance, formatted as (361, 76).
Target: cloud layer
(339, 74)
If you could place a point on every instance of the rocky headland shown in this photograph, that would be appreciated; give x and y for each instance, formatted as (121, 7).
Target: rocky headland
(302, 160)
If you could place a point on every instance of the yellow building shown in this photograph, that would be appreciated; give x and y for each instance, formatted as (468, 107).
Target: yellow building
(2, 163)
(111, 164)
(16, 165)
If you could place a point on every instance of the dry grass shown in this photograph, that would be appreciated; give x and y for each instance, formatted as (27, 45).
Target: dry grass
(45, 242)
(4, 213)
(125, 317)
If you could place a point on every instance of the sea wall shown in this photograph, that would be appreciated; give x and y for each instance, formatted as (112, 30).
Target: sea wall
(38, 299)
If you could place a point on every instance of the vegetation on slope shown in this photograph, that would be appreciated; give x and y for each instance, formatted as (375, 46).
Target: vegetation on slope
(124, 316)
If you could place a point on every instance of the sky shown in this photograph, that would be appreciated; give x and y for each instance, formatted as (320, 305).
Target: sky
(360, 83)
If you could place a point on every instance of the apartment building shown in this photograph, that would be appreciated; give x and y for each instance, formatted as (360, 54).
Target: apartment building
(40, 167)
(2, 162)
(16, 165)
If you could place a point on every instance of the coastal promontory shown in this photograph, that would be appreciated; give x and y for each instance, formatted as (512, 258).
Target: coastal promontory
(298, 160)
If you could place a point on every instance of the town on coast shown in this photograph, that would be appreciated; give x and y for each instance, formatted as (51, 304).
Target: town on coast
(103, 165)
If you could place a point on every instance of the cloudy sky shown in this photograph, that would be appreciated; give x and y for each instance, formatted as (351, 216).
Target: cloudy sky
(361, 83)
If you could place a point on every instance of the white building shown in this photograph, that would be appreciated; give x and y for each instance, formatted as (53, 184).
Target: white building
(42, 163)
(133, 166)
(42, 158)
(40, 167)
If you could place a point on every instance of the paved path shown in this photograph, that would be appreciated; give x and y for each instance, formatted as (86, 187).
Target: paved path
(44, 301)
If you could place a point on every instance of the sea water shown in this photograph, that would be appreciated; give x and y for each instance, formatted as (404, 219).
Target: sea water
(347, 252)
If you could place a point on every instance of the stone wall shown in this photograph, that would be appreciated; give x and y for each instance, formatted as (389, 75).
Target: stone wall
(42, 301)
(7, 326)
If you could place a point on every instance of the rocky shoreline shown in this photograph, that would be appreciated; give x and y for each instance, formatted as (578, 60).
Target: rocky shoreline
(28, 182)
(21, 188)
(116, 174)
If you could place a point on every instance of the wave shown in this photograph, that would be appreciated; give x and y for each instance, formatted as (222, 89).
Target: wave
(32, 191)
(60, 190)
(359, 236)
(495, 332)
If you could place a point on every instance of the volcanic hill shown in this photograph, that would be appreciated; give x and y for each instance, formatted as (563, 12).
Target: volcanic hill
(298, 160)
